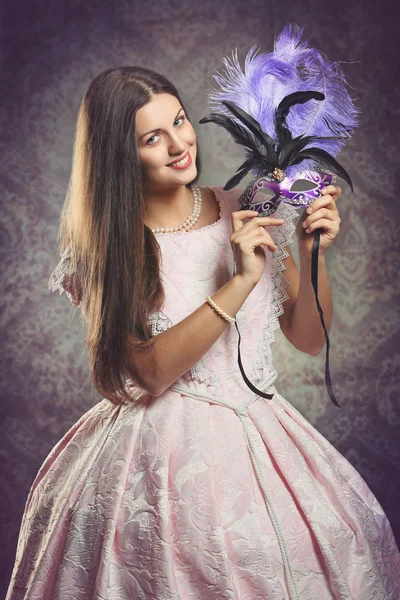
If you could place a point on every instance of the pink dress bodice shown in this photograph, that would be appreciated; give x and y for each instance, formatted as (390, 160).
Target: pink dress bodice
(195, 264)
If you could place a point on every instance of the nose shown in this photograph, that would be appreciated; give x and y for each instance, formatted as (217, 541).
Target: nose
(176, 145)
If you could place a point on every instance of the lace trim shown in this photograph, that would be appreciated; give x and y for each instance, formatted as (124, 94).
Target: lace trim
(159, 322)
(63, 279)
(282, 236)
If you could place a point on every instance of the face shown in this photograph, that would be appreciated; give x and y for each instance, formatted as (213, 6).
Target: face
(164, 136)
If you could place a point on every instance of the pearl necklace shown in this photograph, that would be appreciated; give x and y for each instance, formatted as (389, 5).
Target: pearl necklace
(190, 221)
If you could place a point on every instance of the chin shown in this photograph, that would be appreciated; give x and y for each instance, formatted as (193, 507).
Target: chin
(184, 178)
(190, 177)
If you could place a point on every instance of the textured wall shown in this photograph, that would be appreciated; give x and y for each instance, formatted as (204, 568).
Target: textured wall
(51, 51)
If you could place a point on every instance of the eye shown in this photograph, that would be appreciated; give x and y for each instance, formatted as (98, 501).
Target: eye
(151, 138)
(150, 143)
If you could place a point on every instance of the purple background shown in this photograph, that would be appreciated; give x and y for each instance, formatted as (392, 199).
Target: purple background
(51, 51)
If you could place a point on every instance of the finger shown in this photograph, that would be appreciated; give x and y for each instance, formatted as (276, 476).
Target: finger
(254, 226)
(244, 214)
(324, 224)
(239, 216)
(264, 238)
(252, 229)
(252, 239)
(247, 214)
(237, 223)
(322, 201)
(333, 190)
(269, 241)
(322, 213)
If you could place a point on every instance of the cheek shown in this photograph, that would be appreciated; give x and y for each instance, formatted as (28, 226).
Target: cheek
(151, 159)
(191, 136)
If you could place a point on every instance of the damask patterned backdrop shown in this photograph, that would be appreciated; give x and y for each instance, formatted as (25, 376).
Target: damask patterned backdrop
(51, 52)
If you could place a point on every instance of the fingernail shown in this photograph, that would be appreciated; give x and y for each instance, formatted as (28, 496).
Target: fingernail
(309, 210)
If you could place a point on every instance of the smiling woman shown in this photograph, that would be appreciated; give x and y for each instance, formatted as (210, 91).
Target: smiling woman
(168, 151)
(182, 483)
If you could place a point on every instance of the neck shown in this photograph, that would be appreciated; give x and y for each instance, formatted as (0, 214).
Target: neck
(168, 207)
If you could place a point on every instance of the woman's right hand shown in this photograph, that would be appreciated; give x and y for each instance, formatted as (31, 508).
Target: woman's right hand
(247, 242)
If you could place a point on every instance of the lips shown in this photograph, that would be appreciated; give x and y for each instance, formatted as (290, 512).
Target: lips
(179, 159)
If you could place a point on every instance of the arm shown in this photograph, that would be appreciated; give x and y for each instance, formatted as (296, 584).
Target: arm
(300, 322)
(177, 349)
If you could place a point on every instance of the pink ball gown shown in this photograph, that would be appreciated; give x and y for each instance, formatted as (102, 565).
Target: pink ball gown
(208, 491)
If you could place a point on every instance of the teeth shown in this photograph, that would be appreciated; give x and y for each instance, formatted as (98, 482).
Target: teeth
(181, 162)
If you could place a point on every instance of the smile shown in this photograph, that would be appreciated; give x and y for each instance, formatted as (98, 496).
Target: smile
(183, 163)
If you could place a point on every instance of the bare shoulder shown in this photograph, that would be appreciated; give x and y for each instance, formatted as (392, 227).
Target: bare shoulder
(208, 195)
(230, 197)
(210, 205)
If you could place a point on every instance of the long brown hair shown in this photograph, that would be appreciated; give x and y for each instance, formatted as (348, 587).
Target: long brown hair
(114, 254)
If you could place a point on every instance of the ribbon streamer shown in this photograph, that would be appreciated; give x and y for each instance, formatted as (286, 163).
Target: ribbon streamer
(314, 281)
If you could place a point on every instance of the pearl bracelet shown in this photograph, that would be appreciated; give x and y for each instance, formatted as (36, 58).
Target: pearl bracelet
(219, 310)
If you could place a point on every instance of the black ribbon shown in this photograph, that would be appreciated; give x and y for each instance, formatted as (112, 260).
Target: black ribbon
(314, 280)
(248, 382)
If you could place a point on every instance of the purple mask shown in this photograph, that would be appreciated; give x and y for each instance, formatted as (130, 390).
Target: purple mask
(264, 194)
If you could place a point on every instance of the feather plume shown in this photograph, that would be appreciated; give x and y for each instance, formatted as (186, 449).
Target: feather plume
(262, 154)
(269, 78)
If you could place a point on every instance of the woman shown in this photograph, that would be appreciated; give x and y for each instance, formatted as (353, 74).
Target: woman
(182, 483)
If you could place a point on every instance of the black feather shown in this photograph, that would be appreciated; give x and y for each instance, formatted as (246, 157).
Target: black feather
(283, 134)
(243, 137)
(239, 133)
(290, 100)
(262, 156)
(240, 173)
(292, 148)
(325, 159)
(251, 124)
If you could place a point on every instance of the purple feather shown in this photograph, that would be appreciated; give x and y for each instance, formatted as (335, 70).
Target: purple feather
(291, 67)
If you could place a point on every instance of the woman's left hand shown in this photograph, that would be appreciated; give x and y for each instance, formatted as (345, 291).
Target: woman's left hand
(324, 215)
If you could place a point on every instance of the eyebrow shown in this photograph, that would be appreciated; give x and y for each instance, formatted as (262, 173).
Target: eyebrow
(159, 129)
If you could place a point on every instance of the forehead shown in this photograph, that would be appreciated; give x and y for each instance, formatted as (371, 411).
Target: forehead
(159, 110)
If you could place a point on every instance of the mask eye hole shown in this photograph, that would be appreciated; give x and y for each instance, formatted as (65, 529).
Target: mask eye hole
(263, 195)
(303, 185)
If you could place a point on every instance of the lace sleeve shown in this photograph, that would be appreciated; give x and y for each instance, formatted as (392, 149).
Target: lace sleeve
(283, 236)
(63, 279)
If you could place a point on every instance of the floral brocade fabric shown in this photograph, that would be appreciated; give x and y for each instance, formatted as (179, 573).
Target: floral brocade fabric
(208, 491)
